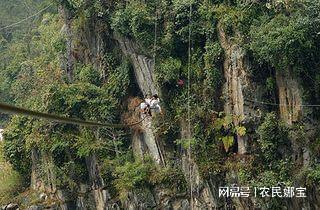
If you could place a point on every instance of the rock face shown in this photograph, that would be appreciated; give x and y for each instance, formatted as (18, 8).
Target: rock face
(144, 140)
(143, 66)
(88, 195)
(202, 194)
(237, 87)
(68, 58)
(289, 97)
(46, 182)
(43, 175)
(291, 111)
(97, 184)
(42, 162)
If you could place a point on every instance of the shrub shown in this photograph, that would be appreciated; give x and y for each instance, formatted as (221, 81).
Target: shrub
(281, 41)
(89, 74)
(181, 10)
(313, 176)
(14, 145)
(136, 21)
(121, 22)
(213, 53)
(11, 181)
(273, 138)
(132, 175)
(169, 70)
(169, 178)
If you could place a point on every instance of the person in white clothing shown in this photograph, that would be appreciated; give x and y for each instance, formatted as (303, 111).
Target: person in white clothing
(148, 99)
(155, 103)
(145, 106)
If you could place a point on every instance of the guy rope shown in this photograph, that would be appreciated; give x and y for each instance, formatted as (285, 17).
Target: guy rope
(10, 109)
(189, 110)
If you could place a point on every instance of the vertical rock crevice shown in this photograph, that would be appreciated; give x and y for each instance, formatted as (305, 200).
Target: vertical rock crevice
(44, 179)
(238, 86)
(100, 194)
(144, 75)
(290, 99)
(68, 59)
(203, 196)
(143, 65)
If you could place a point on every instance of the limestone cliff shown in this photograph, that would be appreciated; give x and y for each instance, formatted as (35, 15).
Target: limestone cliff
(238, 88)
(102, 73)
(289, 97)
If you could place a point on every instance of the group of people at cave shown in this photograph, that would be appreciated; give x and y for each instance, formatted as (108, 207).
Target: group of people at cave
(151, 104)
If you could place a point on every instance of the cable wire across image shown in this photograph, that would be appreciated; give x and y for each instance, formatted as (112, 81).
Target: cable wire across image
(25, 19)
(10, 109)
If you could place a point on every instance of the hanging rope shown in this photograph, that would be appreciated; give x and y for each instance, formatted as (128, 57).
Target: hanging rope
(9, 109)
(154, 60)
(25, 19)
(275, 104)
(155, 36)
(189, 110)
(155, 41)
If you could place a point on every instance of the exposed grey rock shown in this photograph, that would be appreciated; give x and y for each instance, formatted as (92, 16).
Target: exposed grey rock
(202, 194)
(144, 74)
(238, 87)
(45, 21)
(34, 207)
(140, 199)
(185, 205)
(150, 140)
(12, 206)
(42, 163)
(289, 97)
(66, 30)
(115, 206)
(97, 183)
(143, 66)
